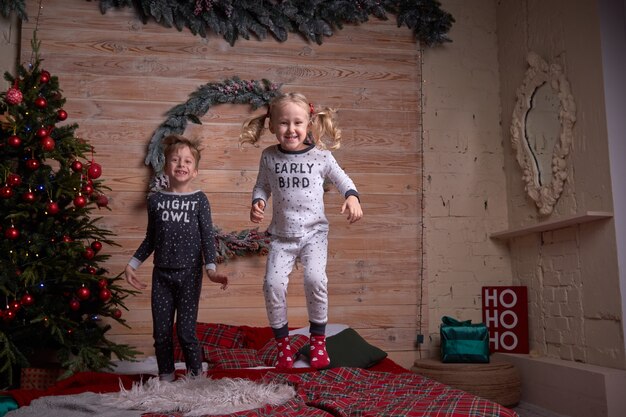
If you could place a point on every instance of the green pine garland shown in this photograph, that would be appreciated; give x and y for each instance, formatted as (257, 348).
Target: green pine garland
(256, 93)
(312, 19)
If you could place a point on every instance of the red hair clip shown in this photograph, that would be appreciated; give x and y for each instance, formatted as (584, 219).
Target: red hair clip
(312, 110)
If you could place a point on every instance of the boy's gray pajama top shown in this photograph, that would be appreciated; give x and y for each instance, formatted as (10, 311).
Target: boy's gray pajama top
(180, 233)
(299, 228)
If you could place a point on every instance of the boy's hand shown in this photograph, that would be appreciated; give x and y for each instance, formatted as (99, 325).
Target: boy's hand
(131, 278)
(218, 278)
(354, 209)
(257, 211)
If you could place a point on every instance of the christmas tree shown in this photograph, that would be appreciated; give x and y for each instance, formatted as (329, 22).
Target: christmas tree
(54, 293)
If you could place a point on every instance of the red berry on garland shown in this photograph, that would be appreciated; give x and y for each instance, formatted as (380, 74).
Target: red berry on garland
(14, 141)
(105, 294)
(103, 283)
(117, 313)
(32, 164)
(12, 233)
(6, 192)
(47, 144)
(80, 201)
(27, 300)
(61, 115)
(41, 102)
(14, 95)
(44, 77)
(89, 253)
(14, 180)
(83, 293)
(41, 132)
(29, 197)
(52, 208)
(102, 200)
(77, 166)
(75, 304)
(94, 171)
(96, 246)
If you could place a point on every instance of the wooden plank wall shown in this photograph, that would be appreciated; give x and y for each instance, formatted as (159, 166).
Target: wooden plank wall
(120, 77)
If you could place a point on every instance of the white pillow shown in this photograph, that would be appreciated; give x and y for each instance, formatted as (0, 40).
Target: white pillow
(331, 329)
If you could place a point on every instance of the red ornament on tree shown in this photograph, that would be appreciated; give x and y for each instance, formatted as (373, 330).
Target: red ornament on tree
(14, 141)
(103, 283)
(42, 132)
(94, 171)
(67, 239)
(44, 77)
(9, 315)
(77, 166)
(80, 201)
(105, 294)
(27, 300)
(32, 164)
(29, 197)
(83, 293)
(96, 246)
(12, 233)
(52, 208)
(14, 180)
(92, 270)
(41, 102)
(47, 144)
(61, 115)
(75, 304)
(14, 95)
(88, 189)
(89, 253)
(117, 313)
(6, 192)
(102, 200)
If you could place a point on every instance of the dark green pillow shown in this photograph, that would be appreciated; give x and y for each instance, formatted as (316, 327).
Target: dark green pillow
(347, 348)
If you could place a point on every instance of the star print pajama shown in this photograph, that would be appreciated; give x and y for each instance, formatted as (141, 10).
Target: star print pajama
(180, 233)
(312, 250)
(296, 180)
(176, 292)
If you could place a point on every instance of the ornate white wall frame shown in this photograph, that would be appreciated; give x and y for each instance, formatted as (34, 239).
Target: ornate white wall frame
(540, 73)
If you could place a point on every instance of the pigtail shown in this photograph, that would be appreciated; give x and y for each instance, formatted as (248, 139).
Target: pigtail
(252, 130)
(325, 129)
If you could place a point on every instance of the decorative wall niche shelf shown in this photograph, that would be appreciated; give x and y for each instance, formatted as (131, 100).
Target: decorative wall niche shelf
(559, 223)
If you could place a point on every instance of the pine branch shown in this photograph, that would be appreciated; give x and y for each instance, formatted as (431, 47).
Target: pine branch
(312, 19)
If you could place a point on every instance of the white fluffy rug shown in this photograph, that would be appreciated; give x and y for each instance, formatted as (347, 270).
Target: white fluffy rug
(202, 396)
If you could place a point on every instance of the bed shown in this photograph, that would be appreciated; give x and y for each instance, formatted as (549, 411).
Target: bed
(362, 381)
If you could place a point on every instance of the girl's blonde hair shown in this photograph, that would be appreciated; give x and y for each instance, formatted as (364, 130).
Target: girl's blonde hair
(175, 141)
(324, 130)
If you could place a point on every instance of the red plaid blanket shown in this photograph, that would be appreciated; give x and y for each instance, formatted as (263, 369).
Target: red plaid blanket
(344, 392)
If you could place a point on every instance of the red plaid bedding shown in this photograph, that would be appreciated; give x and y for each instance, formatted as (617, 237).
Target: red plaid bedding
(344, 392)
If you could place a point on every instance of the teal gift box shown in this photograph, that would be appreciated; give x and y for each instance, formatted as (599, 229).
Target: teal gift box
(462, 341)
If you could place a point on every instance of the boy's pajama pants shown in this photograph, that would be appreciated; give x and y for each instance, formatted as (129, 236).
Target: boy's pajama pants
(176, 291)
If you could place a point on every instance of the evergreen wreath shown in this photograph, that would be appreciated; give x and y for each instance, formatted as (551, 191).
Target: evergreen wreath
(256, 93)
(312, 19)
